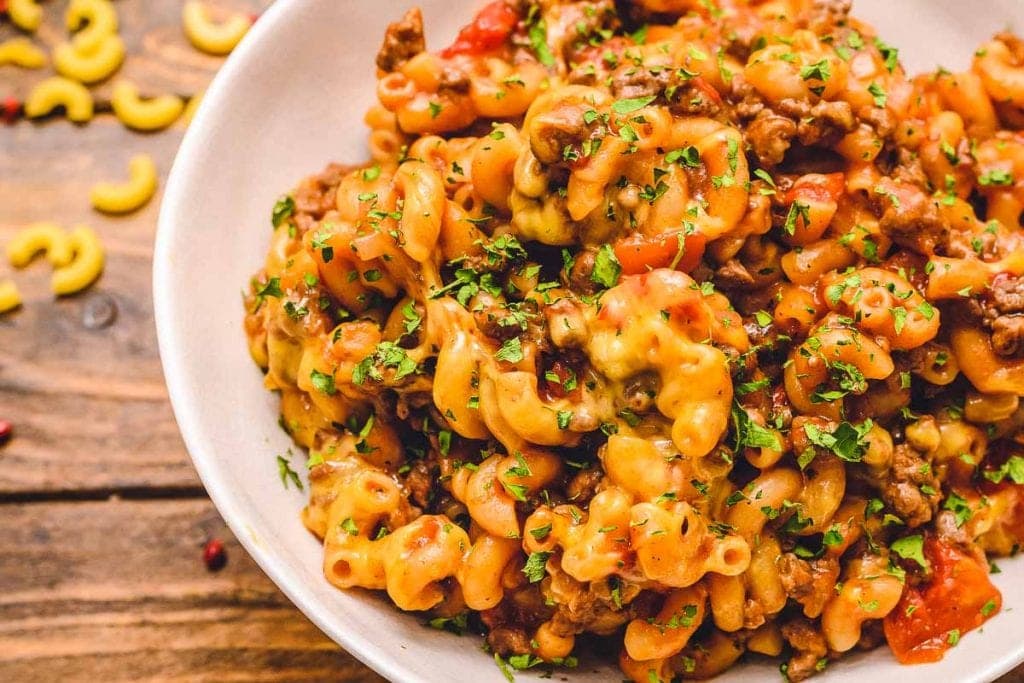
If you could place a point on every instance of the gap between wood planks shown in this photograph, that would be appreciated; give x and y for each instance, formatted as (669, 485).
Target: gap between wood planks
(138, 493)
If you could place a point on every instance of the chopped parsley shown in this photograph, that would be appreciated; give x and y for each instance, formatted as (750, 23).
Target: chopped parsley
(456, 624)
(890, 54)
(819, 71)
(537, 32)
(284, 208)
(323, 382)
(878, 92)
(386, 355)
(847, 441)
(686, 156)
(511, 351)
(534, 567)
(285, 471)
(1012, 468)
(911, 548)
(607, 268)
(959, 506)
(995, 177)
(748, 433)
(796, 210)
(628, 106)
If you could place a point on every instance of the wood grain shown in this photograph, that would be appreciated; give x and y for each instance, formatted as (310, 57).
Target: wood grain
(89, 405)
(160, 58)
(117, 590)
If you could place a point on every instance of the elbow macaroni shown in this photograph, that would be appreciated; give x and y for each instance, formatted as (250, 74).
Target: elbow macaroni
(100, 18)
(214, 38)
(60, 92)
(25, 14)
(144, 114)
(700, 343)
(21, 52)
(100, 63)
(131, 195)
(48, 238)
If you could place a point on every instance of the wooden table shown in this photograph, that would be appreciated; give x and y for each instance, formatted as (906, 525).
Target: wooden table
(102, 518)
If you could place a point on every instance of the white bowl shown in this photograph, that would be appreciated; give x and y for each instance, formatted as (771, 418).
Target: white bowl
(289, 100)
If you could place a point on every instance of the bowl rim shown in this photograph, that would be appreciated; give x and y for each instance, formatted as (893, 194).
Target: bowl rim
(168, 342)
(363, 648)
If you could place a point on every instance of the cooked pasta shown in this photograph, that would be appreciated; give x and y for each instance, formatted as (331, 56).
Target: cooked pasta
(693, 325)
(84, 268)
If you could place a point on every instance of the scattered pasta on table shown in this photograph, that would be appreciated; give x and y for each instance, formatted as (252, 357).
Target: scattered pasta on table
(77, 258)
(58, 91)
(153, 113)
(696, 329)
(215, 38)
(46, 238)
(128, 196)
(22, 52)
(25, 14)
(85, 268)
(100, 21)
(10, 297)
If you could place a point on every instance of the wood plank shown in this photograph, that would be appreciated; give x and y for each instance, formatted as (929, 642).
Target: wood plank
(160, 58)
(88, 403)
(81, 601)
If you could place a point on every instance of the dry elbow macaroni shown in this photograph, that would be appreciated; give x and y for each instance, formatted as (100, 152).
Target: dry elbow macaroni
(705, 335)
(100, 18)
(131, 195)
(10, 297)
(57, 91)
(25, 14)
(47, 238)
(84, 268)
(77, 257)
(209, 36)
(144, 114)
(21, 52)
(93, 66)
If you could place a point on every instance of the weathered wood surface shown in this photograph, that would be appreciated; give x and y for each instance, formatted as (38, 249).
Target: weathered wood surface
(93, 588)
(116, 590)
(89, 405)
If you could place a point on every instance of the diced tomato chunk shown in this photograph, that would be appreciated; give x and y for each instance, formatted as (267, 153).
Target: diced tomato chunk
(488, 30)
(567, 384)
(639, 253)
(819, 187)
(706, 88)
(930, 618)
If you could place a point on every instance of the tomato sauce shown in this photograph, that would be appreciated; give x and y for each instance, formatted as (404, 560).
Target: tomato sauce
(488, 31)
(820, 187)
(640, 253)
(958, 598)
